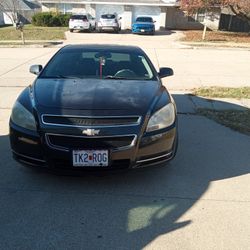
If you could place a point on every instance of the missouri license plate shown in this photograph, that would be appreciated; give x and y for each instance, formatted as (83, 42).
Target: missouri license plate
(90, 158)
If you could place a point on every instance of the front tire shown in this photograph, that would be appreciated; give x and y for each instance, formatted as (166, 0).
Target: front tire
(71, 30)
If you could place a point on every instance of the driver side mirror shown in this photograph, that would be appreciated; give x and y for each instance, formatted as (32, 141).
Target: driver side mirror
(36, 69)
(164, 72)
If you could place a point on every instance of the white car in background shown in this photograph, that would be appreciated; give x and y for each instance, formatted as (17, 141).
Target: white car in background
(82, 22)
(109, 22)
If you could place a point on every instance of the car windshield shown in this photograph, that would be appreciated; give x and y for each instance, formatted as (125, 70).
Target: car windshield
(99, 64)
(79, 17)
(144, 19)
(108, 16)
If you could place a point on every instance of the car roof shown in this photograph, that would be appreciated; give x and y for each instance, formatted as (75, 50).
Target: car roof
(106, 47)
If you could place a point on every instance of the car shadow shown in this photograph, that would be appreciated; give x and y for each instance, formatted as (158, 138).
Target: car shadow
(121, 210)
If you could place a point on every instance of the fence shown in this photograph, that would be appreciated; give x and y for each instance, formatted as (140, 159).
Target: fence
(233, 23)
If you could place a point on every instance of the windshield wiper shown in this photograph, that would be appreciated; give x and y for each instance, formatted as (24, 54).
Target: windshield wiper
(116, 77)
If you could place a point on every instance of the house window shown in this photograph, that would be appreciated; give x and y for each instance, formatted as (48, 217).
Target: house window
(199, 16)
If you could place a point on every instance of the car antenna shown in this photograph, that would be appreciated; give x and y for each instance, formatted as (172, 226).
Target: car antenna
(102, 63)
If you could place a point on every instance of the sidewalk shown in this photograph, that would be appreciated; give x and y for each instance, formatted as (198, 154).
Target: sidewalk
(189, 104)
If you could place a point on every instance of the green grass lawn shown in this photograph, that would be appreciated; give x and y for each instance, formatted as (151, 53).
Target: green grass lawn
(220, 92)
(33, 33)
(234, 119)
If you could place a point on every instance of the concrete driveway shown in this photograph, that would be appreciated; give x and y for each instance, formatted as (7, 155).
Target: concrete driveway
(201, 200)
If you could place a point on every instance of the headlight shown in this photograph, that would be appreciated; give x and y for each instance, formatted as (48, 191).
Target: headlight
(163, 118)
(22, 117)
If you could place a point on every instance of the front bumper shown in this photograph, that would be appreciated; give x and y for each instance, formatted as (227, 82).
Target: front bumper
(32, 149)
(108, 27)
(143, 30)
(79, 27)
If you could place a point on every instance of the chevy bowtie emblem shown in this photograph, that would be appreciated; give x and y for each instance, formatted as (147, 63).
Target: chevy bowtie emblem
(90, 132)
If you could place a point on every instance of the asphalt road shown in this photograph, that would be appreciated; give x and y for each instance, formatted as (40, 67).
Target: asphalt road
(201, 200)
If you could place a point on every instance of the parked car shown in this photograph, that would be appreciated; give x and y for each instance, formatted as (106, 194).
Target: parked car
(95, 107)
(109, 22)
(143, 25)
(82, 22)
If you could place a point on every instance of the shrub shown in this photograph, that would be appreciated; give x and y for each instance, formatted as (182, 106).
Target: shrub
(50, 19)
(64, 19)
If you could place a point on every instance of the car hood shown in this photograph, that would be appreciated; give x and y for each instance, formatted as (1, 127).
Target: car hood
(96, 94)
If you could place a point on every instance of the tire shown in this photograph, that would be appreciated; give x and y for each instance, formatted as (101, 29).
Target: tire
(71, 30)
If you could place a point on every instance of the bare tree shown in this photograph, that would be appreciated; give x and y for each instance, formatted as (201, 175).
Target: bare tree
(11, 9)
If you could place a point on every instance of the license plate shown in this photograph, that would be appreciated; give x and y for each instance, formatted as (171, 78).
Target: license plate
(90, 158)
(142, 30)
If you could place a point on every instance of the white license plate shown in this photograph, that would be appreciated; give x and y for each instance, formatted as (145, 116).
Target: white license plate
(90, 158)
(142, 30)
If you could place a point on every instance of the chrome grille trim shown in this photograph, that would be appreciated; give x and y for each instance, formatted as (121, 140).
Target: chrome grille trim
(154, 158)
(28, 157)
(138, 122)
(51, 145)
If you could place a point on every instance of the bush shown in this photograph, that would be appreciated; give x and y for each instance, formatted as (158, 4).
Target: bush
(50, 19)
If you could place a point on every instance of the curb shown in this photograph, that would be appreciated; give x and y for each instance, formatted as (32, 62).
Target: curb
(30, 44)
(211, 45)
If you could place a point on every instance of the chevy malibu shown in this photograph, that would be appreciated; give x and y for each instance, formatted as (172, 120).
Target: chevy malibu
(95, 107)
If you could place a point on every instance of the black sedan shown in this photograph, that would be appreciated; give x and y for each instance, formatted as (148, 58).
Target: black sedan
(95, 107)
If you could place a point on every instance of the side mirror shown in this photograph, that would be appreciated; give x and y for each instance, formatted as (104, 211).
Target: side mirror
(164, 72)
(120, 18)
(154, 21)
(36, 69)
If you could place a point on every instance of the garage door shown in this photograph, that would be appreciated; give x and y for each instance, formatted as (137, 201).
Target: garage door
(152, 11)
(109, 9)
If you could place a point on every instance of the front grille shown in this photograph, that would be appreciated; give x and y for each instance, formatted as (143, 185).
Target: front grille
(67, 165)
(143, 27)
(67, 142)
(77, 121)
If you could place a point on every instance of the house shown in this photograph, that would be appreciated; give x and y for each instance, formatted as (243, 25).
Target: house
(127, 9)
(166, 13)
(25, 8)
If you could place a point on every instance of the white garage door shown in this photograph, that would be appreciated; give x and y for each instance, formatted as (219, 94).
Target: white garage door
(154, 12)
(7, 19)
(109, 9)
